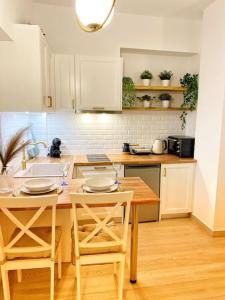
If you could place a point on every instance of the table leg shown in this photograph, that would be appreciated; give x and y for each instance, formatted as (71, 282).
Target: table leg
(134, 244)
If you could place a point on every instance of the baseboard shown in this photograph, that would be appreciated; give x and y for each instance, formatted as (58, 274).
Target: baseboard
(213, 233)
(219, 233)
(202, 225)
(175, 216)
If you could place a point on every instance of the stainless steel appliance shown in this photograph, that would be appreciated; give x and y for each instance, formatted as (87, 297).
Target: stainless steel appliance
(159, 146)
(182, 146)
(151, 176)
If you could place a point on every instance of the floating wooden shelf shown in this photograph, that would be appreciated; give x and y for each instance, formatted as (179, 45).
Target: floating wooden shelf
(177, 89)
(154, 109)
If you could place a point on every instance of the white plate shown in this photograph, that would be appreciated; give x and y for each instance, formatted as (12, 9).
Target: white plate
(111, 189)
(38, 184)
(99, 183)
(25, 190)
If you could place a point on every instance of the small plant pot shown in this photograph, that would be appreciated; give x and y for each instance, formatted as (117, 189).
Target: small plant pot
(165, 103)
(146, 82)
(165, 82)
(147, 103)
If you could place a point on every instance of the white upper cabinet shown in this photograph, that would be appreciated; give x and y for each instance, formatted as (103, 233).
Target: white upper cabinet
(176, 195)
(64, 82)
(25, 71)
(99, 83)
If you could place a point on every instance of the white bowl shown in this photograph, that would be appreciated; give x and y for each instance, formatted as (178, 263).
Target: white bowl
(38, 184)
(99, 183)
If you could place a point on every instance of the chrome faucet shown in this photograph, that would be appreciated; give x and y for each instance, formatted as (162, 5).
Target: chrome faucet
(24, 160)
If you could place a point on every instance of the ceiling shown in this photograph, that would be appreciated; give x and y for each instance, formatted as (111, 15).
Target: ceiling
(187, 9)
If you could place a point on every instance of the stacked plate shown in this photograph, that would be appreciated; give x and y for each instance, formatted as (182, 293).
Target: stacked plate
(100, 185)
(37, 186)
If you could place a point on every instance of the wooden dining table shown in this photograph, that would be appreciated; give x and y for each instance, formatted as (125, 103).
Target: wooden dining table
(143, 194)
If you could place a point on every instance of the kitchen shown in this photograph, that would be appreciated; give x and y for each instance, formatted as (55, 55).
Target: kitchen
(52, 68)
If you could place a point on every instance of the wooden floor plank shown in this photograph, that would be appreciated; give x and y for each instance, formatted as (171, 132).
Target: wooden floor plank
(178, 260)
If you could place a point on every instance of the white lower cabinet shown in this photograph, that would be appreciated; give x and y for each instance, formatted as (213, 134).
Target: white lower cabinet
(176, 193)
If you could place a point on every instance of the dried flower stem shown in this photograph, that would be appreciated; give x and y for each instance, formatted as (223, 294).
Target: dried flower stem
(14, 146)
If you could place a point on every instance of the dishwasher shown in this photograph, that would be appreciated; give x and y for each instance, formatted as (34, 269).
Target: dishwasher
(151, 176)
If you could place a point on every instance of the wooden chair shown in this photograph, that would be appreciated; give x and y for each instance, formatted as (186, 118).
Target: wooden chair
(93, 247)
(29, 247)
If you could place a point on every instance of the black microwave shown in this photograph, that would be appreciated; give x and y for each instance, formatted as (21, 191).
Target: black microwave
(182, 146)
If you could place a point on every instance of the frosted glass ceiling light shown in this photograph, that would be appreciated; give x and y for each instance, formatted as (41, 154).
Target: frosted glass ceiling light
(92, 15)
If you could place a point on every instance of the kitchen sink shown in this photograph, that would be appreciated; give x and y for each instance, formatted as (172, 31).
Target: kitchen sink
(44, 170)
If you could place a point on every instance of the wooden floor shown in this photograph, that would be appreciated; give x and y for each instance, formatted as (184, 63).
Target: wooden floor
(177, 260)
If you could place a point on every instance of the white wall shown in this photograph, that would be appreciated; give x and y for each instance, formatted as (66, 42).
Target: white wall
(94, 133)
(13, 11)
(136, 61)
(131, 31)
(125, 31)
(210, 177)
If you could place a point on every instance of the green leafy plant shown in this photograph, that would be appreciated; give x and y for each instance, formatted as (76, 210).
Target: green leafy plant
(165, 97)
(146, 75)
(129, 96)
(166, 75)
(146, 98)
(190, 82)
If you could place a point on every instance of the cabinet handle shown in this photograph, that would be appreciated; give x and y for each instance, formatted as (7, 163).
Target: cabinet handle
(49, 102)
(100, 168)
(164, 172)
(98, 107)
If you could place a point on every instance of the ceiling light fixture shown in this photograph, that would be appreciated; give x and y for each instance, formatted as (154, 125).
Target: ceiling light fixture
(93, 15)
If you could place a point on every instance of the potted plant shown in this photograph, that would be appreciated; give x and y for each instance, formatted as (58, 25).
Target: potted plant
(165, 77)
(128, 97)
(146, 77)
(165, 98)
(190, 82)
(146, 100)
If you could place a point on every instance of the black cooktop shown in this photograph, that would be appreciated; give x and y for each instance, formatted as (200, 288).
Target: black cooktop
(97, 158)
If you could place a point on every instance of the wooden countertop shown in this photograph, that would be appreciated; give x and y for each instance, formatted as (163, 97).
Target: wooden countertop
(142, 192)
(128, 159)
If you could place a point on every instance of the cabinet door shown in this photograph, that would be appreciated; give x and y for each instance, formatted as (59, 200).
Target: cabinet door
(47, 76)
(21, 71)
(99, 83)
(64, 82)
(176, 188)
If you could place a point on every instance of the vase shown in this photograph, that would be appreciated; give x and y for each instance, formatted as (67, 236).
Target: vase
(146, 82)
(6, 180)
(165, 103)
(146, 103)
(165, 82)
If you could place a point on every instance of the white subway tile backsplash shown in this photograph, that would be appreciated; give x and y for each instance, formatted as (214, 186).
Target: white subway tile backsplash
(95, 133)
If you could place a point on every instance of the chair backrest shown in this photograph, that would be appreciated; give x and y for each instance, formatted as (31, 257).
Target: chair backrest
(39, 205)
(87, 202)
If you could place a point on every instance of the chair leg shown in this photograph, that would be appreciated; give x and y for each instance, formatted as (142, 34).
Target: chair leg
(5, 283)
(121, 279)
(60, 261)
(78, 280)
(19, 275)
(52, 289)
